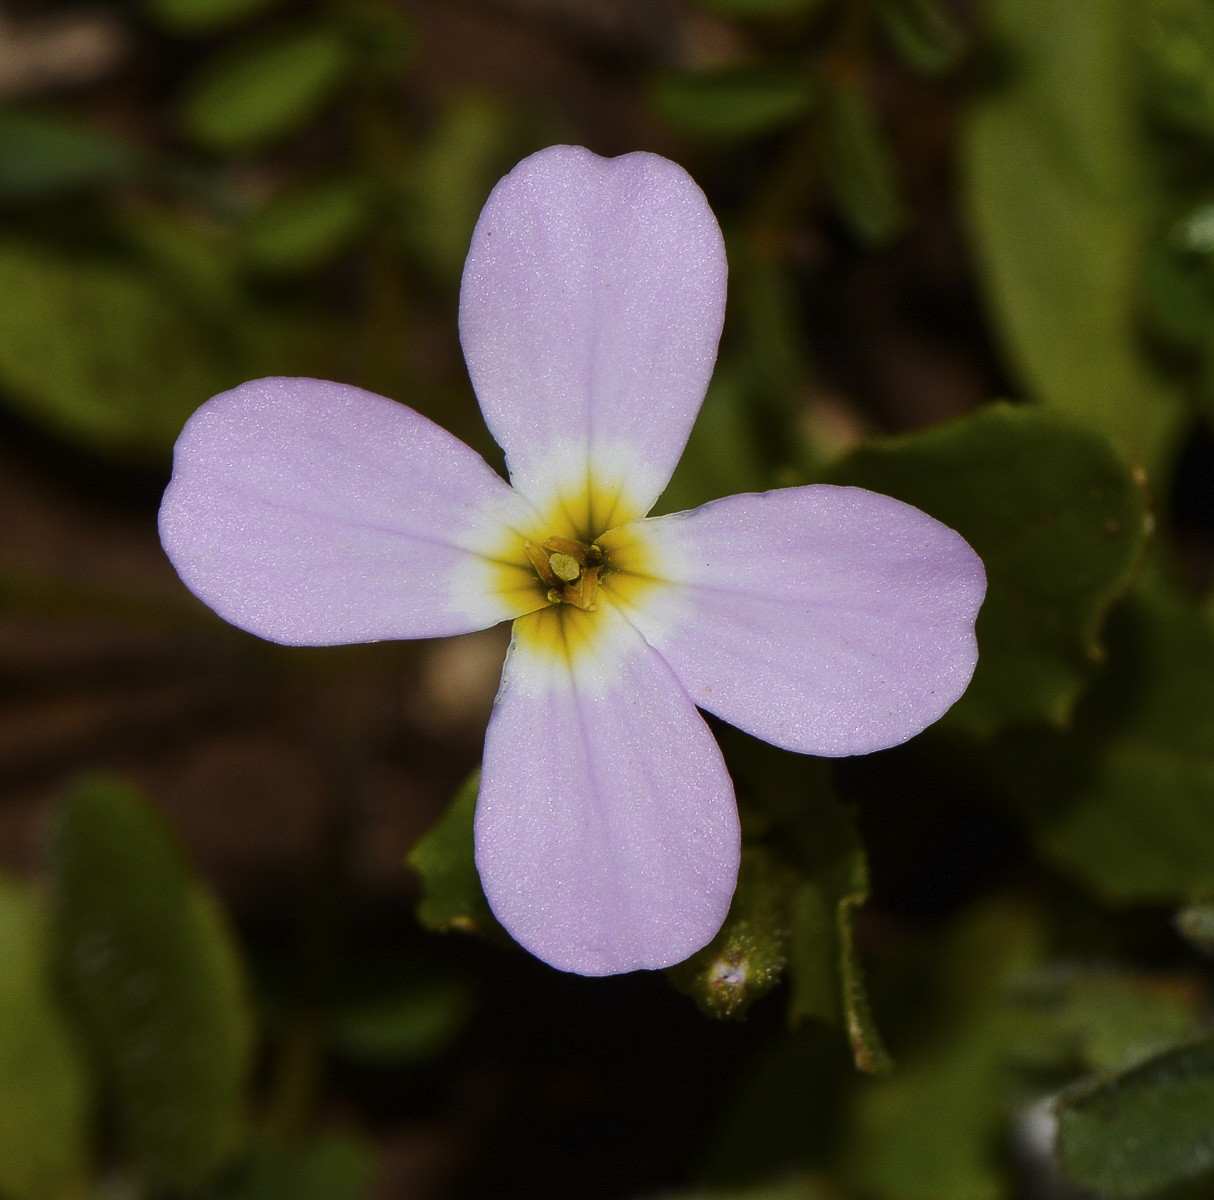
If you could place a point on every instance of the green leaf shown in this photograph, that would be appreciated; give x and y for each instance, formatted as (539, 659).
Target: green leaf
(734, 102)
(203, 17)
(1125, 803)
(722, 456)
(155, 977)
(935, 1129)
(452, 897)
(44, 153)
(1060, 521)
(262, 91)
(761, 8)
(1084, 1019)
(98, 352)
(411, 1026)
(859, 166)
(465, 154)
(747, 957)
(335, 1167)
(924, 34)
(44, 1099)
(307, 226)
(1061, 200)
(1143, 1129)
(1176, 39)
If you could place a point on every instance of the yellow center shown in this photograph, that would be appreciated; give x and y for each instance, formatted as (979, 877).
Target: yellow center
(561, 572)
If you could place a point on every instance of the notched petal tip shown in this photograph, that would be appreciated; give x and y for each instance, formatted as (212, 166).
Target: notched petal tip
(590, 310)
(826, 620)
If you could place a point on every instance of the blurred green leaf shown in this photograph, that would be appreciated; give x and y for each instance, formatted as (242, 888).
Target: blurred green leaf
(99, 353)
(307, 226)
(767, 295)
(44, 153)
(859, 167)
(1060, 521)
(747, 957)
(1196, 922)
(261, 91)
(335, 1167)
(761, 8)
(924, 33)
(934, 1129)
(452, 897)
(1176, 38)
(44, 1090)
(1084, 1019)
(1143, 1129)
(203, 17)
(464, 155)
(1125, 802)
(734, 102)
(384, 36)
(155, 977)
(1062, 198)
(722, 456)
(415, 1024)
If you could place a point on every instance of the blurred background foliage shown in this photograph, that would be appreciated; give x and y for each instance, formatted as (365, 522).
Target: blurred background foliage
(243, 950)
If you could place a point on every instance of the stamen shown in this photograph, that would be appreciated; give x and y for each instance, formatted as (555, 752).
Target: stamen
(568, 569)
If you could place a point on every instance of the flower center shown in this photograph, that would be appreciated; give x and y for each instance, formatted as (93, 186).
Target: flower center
(569, 569)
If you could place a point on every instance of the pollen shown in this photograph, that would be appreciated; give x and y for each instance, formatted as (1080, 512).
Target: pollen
(564, 571)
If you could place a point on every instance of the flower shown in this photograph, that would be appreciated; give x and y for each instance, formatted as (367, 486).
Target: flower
(827, 620)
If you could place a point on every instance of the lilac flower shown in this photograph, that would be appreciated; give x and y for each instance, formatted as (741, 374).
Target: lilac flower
(827, 620)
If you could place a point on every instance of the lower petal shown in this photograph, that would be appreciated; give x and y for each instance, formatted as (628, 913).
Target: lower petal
(606, 830)
(827, 620)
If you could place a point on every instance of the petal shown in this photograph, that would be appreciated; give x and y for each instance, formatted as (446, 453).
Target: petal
(313, 513)
(827, 620)
(590, 312)
(606, 830)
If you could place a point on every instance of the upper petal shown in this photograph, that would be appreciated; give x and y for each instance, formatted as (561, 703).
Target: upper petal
(314, 513)
(606, 830)
(827, 620)
(590, 311)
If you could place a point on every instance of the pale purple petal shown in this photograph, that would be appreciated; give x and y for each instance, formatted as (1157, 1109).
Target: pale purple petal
(606, 830)
(313, 513)
(591, 307)
(827, 620)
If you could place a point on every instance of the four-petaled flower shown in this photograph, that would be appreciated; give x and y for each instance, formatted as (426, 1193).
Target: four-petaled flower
(827, 620)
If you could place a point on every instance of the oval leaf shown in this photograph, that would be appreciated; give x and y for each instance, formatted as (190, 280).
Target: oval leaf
(306, 227)
(43, 1086)
(859, 165)
(43, 153)
(152, 970)
(734, 103)
(1061, 201)
(98, 352)
(262, 91)
(1143, 1129)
